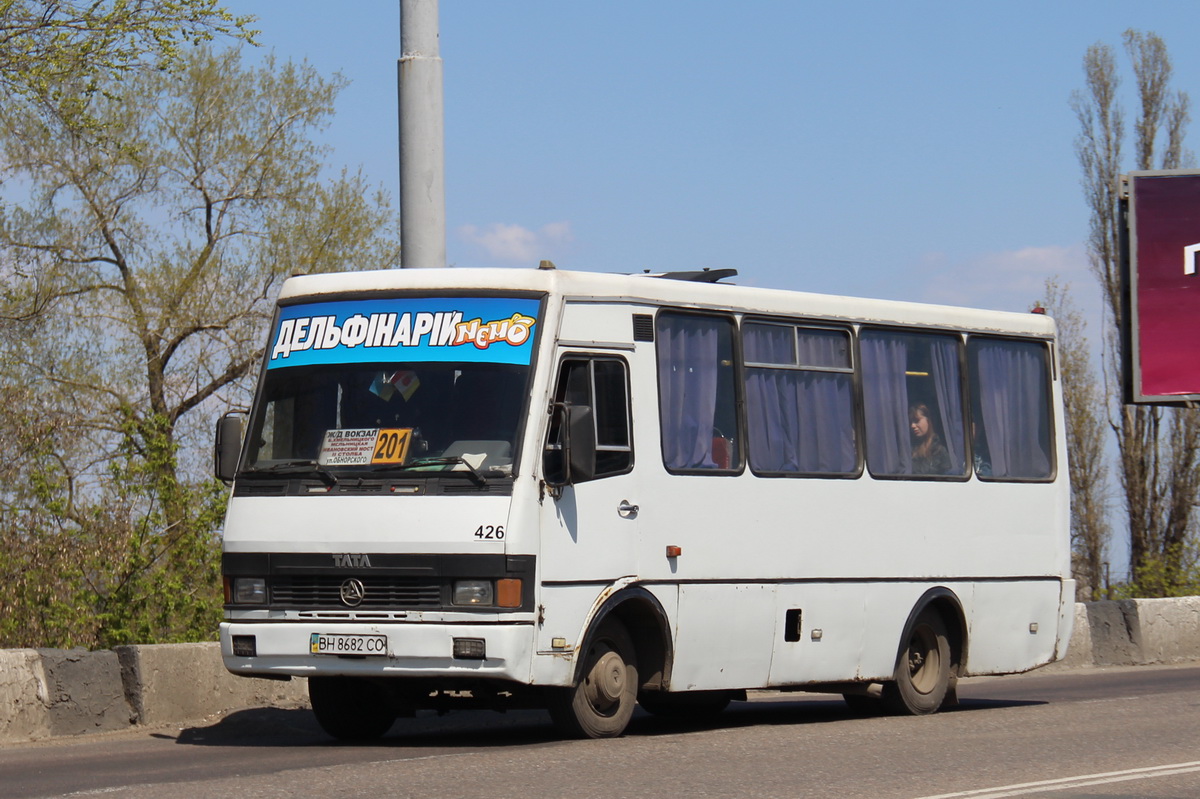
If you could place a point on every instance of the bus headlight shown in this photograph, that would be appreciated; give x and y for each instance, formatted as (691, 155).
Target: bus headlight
(473, 592)
(249, 591)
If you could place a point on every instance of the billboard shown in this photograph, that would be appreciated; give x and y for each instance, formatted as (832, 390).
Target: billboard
(1162, 275)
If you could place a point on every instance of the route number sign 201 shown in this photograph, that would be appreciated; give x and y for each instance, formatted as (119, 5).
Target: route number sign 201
(365, 447)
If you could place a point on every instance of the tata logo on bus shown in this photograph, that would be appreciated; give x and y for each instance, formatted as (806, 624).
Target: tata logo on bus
(352, 593)
(351, 562)
(1162, 325)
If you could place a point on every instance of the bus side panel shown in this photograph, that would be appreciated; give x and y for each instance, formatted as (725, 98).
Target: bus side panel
(847, 631)
(818, 633)
(1014, 626)
(724, 636)
(888, 609)
(564, 610)
(1066, 618)
(567, 613)
(853, 631)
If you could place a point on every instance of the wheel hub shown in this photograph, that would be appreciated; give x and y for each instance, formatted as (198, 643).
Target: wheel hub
(606, 682)
(923, 660)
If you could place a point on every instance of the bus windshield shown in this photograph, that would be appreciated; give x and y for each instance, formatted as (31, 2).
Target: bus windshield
(421, 385)
(391, 415)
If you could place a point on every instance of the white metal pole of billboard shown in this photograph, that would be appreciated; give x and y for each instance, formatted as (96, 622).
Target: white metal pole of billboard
(422, 138)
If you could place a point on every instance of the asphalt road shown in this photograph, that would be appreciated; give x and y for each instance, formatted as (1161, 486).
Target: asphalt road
(1073, 734)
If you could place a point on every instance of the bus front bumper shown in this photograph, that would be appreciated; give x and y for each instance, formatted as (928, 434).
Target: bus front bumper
(307, 649)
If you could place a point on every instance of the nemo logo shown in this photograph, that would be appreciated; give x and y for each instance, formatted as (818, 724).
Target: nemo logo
(514, 331)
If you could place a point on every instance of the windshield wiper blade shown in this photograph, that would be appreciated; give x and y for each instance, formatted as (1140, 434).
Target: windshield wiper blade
(449, 460)
(297, 467)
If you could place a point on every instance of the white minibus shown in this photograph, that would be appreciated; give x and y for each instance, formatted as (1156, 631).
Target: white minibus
(582, 492)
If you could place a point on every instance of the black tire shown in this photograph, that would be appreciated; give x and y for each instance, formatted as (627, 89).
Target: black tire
(689, 705)
(351, 709)
(863, 704)
(922, 674)
(601, 704)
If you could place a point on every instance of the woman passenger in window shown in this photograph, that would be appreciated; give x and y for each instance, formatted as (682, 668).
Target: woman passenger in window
(929, 454)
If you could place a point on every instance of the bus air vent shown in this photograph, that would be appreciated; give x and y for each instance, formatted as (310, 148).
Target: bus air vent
(266, 489)
(361, 487)
(471, 488)
(643, 327)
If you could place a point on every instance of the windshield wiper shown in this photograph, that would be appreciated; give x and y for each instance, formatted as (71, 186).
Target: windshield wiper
(449, 460)
(297, 467)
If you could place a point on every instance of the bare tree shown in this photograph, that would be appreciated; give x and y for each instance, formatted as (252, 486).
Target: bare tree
(1157, 447)
(1086, 433)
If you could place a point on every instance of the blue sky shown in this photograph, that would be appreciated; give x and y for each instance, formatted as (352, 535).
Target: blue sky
(917, 150)
(905, 150)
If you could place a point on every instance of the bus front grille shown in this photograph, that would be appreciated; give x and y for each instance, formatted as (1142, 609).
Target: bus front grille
(377, 592)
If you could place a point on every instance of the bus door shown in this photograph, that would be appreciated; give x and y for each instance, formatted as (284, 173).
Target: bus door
(589, 525)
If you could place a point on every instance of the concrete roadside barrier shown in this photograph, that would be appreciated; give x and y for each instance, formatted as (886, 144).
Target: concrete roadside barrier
(53, 692)
(167, 683)
(1116, 633)
(1134, 632)
(84, 691)
(1169, 629)
(23, 696)
(47, 693)
(1079, 650)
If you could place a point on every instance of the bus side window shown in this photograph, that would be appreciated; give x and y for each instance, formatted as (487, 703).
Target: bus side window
(601, 384)
(800, 410)
(697, 393)
(1010, 404)
(913, 404)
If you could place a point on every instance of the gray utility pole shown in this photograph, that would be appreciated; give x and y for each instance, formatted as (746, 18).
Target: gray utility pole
(422, 145)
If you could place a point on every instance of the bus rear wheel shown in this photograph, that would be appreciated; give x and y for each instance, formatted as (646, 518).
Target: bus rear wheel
(349, 708)
(922, 674)
(601, 704)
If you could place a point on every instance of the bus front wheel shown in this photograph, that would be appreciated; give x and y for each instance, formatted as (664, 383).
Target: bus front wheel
(602, 702)
(922, 674)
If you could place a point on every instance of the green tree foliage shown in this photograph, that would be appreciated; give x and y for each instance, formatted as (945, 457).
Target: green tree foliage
(139, 280)
(1159, 448)
(58, 53)
(1177, 574)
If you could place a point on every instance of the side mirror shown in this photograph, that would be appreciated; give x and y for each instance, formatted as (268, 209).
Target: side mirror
(228, 448)
(571, 453)
(581, 444)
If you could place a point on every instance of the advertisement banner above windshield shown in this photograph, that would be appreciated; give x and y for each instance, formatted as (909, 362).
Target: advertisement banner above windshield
(438, 329)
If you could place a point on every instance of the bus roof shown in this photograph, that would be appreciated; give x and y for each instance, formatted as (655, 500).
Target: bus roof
(658, 290)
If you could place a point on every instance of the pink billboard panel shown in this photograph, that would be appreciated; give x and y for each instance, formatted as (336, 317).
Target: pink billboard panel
(1164, 280)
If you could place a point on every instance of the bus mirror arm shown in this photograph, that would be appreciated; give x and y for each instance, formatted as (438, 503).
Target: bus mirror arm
(228, 446)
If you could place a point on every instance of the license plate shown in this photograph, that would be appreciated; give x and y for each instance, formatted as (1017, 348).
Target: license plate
(347, 644)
